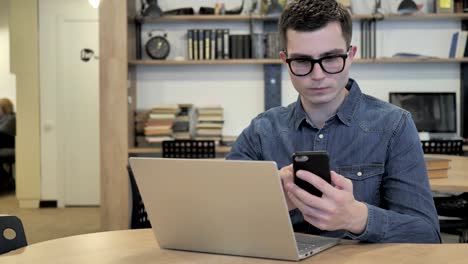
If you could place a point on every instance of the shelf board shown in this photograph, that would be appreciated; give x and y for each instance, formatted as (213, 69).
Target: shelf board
(184, 18)
(205, 62)
(278, 61)
(412, 60)
(219, 149)
(454, 16)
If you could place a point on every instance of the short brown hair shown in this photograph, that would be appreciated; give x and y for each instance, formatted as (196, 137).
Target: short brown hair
(6, 105)
(311, 15)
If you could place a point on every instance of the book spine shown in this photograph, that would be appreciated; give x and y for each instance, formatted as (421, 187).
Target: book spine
(201, 48)
(231, 47)
(247, 47)
(453, 45)
(213, 44)
(258, 46)
(195, 45)
(219, 44)
(226, 44)
(190, 44)
(207, 34)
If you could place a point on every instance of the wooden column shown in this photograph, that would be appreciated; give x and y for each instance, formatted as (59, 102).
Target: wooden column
(24, 50)
(113, 114)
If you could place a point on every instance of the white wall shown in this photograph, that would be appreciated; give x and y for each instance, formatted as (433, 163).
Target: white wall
(7, 80)
(240, 88)
(51, 12)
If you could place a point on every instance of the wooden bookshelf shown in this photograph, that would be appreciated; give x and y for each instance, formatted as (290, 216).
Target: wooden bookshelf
(219, 149)
(185, 18)
(278, 61)
(454, 16)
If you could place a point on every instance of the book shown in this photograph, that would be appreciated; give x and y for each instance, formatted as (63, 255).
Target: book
(207, 33)
(461, 44)
(213, 44)
(434, 174)
(433, 163)
(453, 45)
(201, 47)
(226, 44)
(258, 46)
(247, 47)
(219, 44)
(195, 45)
(156, 117)
(166, 109)
(190, 44)
(209, 125)
(209, 132)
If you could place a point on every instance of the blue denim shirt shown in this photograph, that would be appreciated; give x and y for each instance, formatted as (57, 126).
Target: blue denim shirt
(371, 142)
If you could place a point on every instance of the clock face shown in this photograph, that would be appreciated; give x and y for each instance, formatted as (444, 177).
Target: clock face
(158, 48)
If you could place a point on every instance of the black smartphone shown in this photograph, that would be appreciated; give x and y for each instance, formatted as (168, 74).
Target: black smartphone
(316, 162)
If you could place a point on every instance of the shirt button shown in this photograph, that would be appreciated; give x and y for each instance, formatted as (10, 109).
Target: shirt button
(359, 173)
(321, 136)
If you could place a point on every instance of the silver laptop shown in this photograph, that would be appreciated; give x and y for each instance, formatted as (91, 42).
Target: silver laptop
(219, 206)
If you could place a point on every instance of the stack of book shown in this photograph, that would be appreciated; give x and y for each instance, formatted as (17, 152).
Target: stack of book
(181, 126)
(158, 127)
(140, 119)
(208, 123)
(437, 167)
(227, 140)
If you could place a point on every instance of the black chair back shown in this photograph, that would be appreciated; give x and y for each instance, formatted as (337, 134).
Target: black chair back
(19, 240)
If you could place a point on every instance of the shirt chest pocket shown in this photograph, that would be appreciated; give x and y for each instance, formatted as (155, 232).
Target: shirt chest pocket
(361, 172)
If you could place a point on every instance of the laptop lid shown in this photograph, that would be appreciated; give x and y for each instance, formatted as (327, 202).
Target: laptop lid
(216, 206)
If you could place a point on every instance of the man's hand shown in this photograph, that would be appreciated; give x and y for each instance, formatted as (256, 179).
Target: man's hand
(287, 176)
(336, 209)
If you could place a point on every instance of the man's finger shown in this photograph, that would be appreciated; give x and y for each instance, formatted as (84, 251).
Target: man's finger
(317, 182)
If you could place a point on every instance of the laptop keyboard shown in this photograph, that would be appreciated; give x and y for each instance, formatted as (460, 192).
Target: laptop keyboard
(307, 244)
(305, 248)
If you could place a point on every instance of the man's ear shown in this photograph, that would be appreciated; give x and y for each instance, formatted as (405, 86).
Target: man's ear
(283, 56)
(353, 51)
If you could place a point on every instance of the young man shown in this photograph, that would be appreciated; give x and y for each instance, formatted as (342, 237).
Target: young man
(380, 190)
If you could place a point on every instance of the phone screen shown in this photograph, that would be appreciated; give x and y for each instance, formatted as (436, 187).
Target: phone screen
(316, 162)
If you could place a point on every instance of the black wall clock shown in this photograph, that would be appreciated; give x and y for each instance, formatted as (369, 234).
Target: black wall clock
(158, 46)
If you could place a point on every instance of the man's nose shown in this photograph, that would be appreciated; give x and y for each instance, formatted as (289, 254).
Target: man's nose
(317, 72)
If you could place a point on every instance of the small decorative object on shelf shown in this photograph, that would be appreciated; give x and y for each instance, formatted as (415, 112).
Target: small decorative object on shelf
(274, 8)
(444, 6)
(407, 7)
(150, 8)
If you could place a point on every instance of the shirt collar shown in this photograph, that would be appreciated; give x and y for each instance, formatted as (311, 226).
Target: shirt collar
(345, 111)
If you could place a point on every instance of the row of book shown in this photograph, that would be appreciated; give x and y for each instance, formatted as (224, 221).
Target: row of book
(216, 44)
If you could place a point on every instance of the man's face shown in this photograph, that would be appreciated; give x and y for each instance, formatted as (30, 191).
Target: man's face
(319, 88)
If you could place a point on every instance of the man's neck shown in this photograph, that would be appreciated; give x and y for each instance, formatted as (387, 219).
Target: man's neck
(318, 114)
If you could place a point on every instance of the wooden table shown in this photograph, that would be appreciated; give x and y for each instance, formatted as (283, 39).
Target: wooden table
(140, 246)
(457, 180)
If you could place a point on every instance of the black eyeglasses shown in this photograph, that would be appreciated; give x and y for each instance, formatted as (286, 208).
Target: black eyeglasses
(332, 64)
